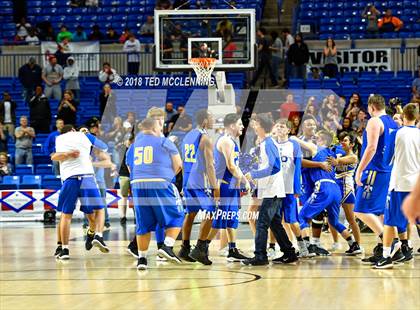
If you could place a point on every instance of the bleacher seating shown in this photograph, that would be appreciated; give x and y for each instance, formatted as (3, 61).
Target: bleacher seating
(343, 19)
(10, 182)
(31, 182)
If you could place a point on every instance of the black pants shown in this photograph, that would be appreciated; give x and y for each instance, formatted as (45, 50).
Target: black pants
(133, 68)
(265, 62)
(270, 217)
(41, 126)
(330, 70)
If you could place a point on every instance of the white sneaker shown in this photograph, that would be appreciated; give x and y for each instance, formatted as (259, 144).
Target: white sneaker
(335, 247)
(271, 253)
(224, 252)
(303, 250)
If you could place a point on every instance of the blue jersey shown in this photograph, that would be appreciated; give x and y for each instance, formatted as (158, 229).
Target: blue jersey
(381, 161)
(194, 160)
(149, 157)
(316, 174)
(220, 163)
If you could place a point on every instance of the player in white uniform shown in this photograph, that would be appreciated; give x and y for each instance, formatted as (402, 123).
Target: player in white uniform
(404, 174)
(73, 152)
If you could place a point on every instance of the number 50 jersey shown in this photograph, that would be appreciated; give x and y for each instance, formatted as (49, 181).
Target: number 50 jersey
(149, 157)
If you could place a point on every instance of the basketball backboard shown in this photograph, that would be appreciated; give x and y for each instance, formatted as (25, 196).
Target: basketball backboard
(227, 34)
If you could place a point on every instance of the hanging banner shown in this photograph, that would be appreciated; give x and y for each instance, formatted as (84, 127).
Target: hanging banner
(17, 201)
(85, 54)
(356, 59)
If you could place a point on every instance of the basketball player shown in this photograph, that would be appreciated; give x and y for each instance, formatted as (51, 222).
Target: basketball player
(230, 177)
(197, 154)
(308, 135)
(404, 173)
(291, 157)
(374, 171)
(153, 162)
(326, 194)
(158, 115)
(345, 165)
(76, 170)
(411, 207)
(270, 186)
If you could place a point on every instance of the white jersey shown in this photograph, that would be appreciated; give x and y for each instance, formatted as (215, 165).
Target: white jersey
(406, 159)
(273, 184)
(81, 165)
(291, 157)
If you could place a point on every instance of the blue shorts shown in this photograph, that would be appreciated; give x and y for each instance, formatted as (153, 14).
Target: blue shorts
(346, 185)
(226, 214)
(83, 188)
(327, 196)
(198, 199)
(156, 203)
(393, 215)
(371, 197)
(289, 209)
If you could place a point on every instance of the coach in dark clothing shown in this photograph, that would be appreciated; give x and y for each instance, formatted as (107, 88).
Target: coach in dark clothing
(40, 112)
(30, 77)
(8, 113)
(264, 51)
(298, 57)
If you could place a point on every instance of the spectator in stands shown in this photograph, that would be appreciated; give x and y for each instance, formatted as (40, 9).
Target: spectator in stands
(30, 76)
(40, 112)
(163, 5)
(229, 48)
(289, 108)
(298, 57)
(96, 34)
(79, 35)
(264, 52)
(312, 111)
(372, 15)
(316, 75)
(111, 35)
(131, 119)
(52, 76)
(46, 31)
(71, 76)
(288, 41)
(8, 113)
(295, 120)
(346, 126)
(67, 110)
(180, 121)
(224, 27)
(63, 52)
(64, 34)
(148, 28)
(3, 138)
(32, 38)
(105, 98)
(107, 74)
(49, 144)
(415, 87)
(22, 29)
(355, 103)
(116, 139)
(277, 53)
(398, 119)
(5, 167)
(331, 121)
(389, 23)
(24, 136)
(330, 59)
(169, 112)
(360, 123)
(132, 48)
(124, 36)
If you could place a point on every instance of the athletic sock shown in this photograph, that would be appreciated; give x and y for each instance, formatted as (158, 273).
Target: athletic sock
(99, 234)
(272, 245)
(65, 246)
(232, 245)
(169, 242)
(350, 240)
(409, 243)
(186, 243)
(315, 240)
(59, 243)
(143, 254)
(386, 252)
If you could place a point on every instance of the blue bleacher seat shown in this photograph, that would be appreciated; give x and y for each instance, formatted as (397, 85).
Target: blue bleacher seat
(51, 182)
(24, 169)
(10, 182)
(43, 169)
(31, 182)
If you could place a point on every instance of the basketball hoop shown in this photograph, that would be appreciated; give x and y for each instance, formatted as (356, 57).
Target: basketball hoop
(203, 68)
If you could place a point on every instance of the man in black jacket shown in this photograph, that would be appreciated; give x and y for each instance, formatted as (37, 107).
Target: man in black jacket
(8, 113)
(40, 112)
(298, 57)
(30, 77)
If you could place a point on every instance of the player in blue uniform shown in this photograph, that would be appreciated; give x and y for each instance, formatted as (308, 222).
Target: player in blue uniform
(199, 180)
(374, 171)
(326, 194)
(230, 176)
(345, 165)
(405, 171)
(153, 162)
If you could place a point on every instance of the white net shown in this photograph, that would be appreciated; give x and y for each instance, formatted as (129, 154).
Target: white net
(203, 68)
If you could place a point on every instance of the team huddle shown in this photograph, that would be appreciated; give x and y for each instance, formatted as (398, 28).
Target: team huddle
(310, 171)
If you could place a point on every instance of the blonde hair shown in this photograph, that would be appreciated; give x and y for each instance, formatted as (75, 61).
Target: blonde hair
(155, 112)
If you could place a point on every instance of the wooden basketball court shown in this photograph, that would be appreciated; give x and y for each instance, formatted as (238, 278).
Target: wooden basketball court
(31, 278)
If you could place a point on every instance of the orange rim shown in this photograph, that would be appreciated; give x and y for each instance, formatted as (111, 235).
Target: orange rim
(202, 62)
